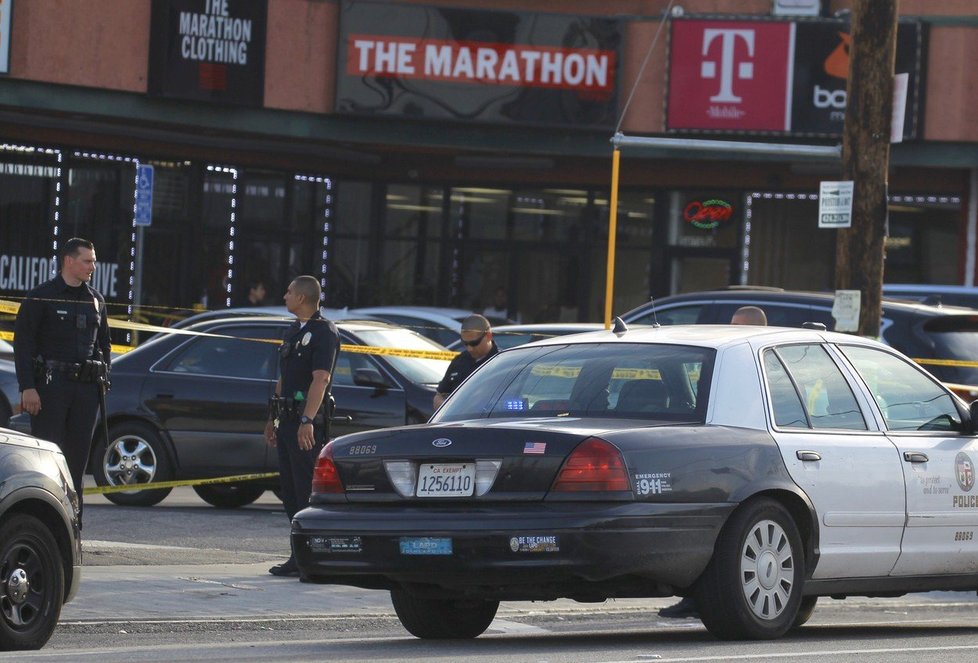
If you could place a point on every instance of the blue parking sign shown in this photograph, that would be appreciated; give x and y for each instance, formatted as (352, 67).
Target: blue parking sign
(144, 196)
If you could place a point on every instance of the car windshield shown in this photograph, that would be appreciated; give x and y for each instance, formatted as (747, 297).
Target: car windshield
(415, 369)
(605, 380)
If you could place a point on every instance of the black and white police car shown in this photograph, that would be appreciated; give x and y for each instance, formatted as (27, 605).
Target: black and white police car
(754, 468)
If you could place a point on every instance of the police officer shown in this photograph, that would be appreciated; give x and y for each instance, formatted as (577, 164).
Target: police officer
(298, 425)
(62, 353)
(477, 338)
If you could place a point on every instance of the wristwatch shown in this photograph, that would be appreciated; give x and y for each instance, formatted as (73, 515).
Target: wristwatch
(305, 420)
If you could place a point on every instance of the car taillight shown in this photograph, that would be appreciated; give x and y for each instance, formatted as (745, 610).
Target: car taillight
(325, 477)
(595, 465)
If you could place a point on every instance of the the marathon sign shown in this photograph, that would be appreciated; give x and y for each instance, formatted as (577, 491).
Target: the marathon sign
(773, 77)
(463, 64)
(24, 273)
(211, 50)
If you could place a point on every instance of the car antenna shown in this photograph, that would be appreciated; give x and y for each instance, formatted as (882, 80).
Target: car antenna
(655, 318)
(620, 326)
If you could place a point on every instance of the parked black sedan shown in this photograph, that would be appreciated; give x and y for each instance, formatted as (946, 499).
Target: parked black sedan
(40, 550)
(194, 406)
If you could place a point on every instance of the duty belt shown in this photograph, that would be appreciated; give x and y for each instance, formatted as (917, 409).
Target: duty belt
(84, 371)
(283, 408)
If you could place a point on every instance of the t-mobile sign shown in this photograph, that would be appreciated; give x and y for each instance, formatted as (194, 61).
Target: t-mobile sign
(730, 75)
(775, 77)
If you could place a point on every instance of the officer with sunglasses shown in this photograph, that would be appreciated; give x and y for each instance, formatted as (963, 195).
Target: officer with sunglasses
(477, 339)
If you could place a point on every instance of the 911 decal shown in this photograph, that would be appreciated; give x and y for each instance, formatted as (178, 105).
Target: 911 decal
(653, 483)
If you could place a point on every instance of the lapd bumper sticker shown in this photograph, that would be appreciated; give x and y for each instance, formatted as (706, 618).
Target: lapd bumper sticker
(534, 544)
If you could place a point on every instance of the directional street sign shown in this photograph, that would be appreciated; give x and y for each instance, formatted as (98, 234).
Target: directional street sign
(835, 204)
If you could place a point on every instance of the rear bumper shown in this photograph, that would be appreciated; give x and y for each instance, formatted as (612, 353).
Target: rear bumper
(541, 551)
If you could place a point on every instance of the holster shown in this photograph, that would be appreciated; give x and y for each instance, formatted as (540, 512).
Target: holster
(284, 408)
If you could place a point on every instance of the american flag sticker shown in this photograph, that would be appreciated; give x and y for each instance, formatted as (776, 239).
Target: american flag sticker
(535, 448)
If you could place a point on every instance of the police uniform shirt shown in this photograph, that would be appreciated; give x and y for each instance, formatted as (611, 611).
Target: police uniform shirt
(60, 322)
(460, 368)
(307, 348)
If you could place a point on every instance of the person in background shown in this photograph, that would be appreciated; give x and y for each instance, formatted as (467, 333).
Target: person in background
(745, 315)
(749, 315)
(256, 294)
(62, 353)
(298, 423)
(477, 338)
(500, 307)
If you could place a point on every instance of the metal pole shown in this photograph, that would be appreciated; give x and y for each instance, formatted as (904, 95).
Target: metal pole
(612, 237)
(775, 149)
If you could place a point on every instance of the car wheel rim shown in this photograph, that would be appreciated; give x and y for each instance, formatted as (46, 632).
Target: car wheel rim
(767, 569)
(129, 460)
(22, 589)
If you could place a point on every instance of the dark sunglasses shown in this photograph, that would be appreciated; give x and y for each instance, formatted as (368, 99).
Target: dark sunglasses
(474, 343)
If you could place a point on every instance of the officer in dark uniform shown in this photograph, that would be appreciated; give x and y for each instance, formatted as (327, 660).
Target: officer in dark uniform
(298, 423)
(62, 353)
(477, 338)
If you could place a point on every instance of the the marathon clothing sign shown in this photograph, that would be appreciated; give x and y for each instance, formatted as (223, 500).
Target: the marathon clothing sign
(773, 77)
(210, 50)
(463, 64)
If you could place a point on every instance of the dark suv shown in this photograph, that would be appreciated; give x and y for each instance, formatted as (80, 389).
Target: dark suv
(40, 548)
(936, 337)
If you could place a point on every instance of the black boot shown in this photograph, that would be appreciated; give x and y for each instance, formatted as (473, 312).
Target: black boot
(288, 568)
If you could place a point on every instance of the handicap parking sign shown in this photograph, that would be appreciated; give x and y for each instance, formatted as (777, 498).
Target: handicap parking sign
(144, 196)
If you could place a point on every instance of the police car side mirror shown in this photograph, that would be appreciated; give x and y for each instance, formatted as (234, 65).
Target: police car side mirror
(370, 377)
(968, 427)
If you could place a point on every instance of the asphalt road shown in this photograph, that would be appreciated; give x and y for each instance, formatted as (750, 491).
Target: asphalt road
(183, 581)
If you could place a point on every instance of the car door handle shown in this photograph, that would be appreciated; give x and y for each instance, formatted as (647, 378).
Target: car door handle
(808, 455)
(915, 457)
(164, 395)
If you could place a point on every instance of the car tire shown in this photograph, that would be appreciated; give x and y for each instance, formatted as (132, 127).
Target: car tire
(229, 495)
(443, 619)
(751, 588)
(32, 583)
(805, 610)
(135, 454)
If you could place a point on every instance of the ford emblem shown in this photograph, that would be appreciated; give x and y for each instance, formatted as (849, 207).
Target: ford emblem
(441, 442)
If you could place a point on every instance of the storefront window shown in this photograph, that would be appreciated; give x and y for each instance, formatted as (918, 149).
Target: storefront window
(99, 207)
(162, 299)
(218, 200)
(923, 246)
(635, 224)
(353, 274)
(27, 195)
(784, 247)
(412, 250)
(262, 238)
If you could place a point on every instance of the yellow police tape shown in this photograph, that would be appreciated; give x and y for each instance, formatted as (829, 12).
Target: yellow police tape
(138, 487)
(12, 307)
(115, 323)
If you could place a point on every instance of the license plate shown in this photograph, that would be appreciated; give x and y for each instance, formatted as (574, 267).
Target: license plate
(425, 545)
(446, 480)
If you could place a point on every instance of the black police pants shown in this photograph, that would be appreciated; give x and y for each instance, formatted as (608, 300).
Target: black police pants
(295, 466)
(69, 410)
